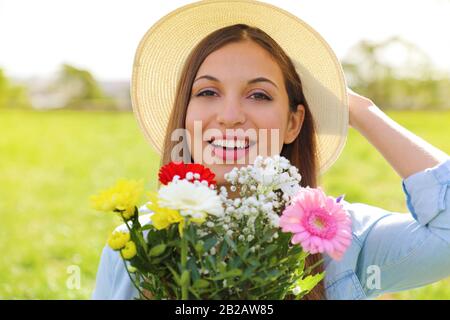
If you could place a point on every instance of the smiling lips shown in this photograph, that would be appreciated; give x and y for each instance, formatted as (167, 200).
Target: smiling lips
(230, 148)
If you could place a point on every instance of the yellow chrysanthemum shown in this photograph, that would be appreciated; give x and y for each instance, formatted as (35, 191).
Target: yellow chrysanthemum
(123, 196)
(118, 239)
(129, 251)
(162, 218)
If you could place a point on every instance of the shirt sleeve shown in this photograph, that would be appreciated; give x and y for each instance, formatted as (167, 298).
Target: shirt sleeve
(406, 251)
(103, 283)
(113, 281)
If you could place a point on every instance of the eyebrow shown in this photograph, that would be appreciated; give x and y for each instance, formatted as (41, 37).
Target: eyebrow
(259, 79)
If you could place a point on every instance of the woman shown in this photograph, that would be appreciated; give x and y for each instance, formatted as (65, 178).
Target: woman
(238, 80)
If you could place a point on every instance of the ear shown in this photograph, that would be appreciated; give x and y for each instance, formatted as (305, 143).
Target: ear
(295, 122)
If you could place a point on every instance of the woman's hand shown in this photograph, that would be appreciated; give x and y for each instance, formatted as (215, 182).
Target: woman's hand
(356, 102)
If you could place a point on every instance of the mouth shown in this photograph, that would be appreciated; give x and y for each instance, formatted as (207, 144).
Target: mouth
(230, 148)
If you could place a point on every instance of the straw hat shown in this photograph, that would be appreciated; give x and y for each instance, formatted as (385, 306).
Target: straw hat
(163, 49)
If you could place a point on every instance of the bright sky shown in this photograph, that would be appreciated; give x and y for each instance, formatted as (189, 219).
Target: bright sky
(36, 37)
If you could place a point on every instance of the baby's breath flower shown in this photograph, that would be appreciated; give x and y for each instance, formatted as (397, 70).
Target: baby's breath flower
(204, 182)
(297, 290)
(189, 176)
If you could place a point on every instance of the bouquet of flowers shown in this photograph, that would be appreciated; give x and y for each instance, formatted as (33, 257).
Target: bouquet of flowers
(201, 243)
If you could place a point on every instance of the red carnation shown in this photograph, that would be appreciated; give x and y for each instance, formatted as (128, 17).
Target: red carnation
(167, 172)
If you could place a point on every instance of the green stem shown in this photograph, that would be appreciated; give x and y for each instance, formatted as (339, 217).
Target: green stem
(184, 285)
(136, 285)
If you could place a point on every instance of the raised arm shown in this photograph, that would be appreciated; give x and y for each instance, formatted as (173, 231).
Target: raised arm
(404, 151)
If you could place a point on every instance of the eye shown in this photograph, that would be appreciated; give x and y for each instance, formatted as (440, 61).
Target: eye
(261, 96)
(206, 93)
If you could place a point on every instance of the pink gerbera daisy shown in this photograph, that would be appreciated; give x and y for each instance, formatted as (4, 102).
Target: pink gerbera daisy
(319, 223)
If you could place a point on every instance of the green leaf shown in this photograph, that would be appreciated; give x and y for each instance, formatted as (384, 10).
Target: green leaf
(199, 247)
(155, 237)
(248, 272)
(201, 284)
(236, 262)
(273, 274)
(255, 263)
(210, 262)
(185, 278)
(230, 242)
(273, 260)
(193, 268)
(308, 283)
(228, 274)
(157, 250)
(223, 250)
(192, 233)
(234, 273)
(147, 227)
(269, 249)
(176, 276)
(209, 243)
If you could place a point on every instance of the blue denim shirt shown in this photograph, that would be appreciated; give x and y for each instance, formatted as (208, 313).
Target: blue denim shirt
(390, 251)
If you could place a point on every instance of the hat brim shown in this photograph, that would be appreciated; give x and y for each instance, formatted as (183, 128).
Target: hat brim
(164, 48)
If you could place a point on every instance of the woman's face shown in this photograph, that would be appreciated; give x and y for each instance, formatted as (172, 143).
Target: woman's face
(237, 93)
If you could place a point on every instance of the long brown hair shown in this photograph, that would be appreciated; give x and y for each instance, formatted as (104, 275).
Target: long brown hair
(301, 152)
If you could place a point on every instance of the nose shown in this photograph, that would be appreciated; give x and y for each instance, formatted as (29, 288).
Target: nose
(230, 113)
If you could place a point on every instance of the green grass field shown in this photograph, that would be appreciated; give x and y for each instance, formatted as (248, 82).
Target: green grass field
(51, 162)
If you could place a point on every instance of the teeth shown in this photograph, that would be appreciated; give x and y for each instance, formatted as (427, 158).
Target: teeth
(229, 143)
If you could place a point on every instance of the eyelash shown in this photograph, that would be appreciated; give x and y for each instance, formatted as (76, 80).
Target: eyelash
(264, 96)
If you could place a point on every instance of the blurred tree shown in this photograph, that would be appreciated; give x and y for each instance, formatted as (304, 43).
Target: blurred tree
(11, 95)
(396, 74)
(81, 90)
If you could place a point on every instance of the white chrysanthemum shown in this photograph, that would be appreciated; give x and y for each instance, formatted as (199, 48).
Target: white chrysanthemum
(189, 198)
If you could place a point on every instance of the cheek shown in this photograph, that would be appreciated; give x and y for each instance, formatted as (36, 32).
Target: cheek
(198, 113)
(197, 118)
(275, 121)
